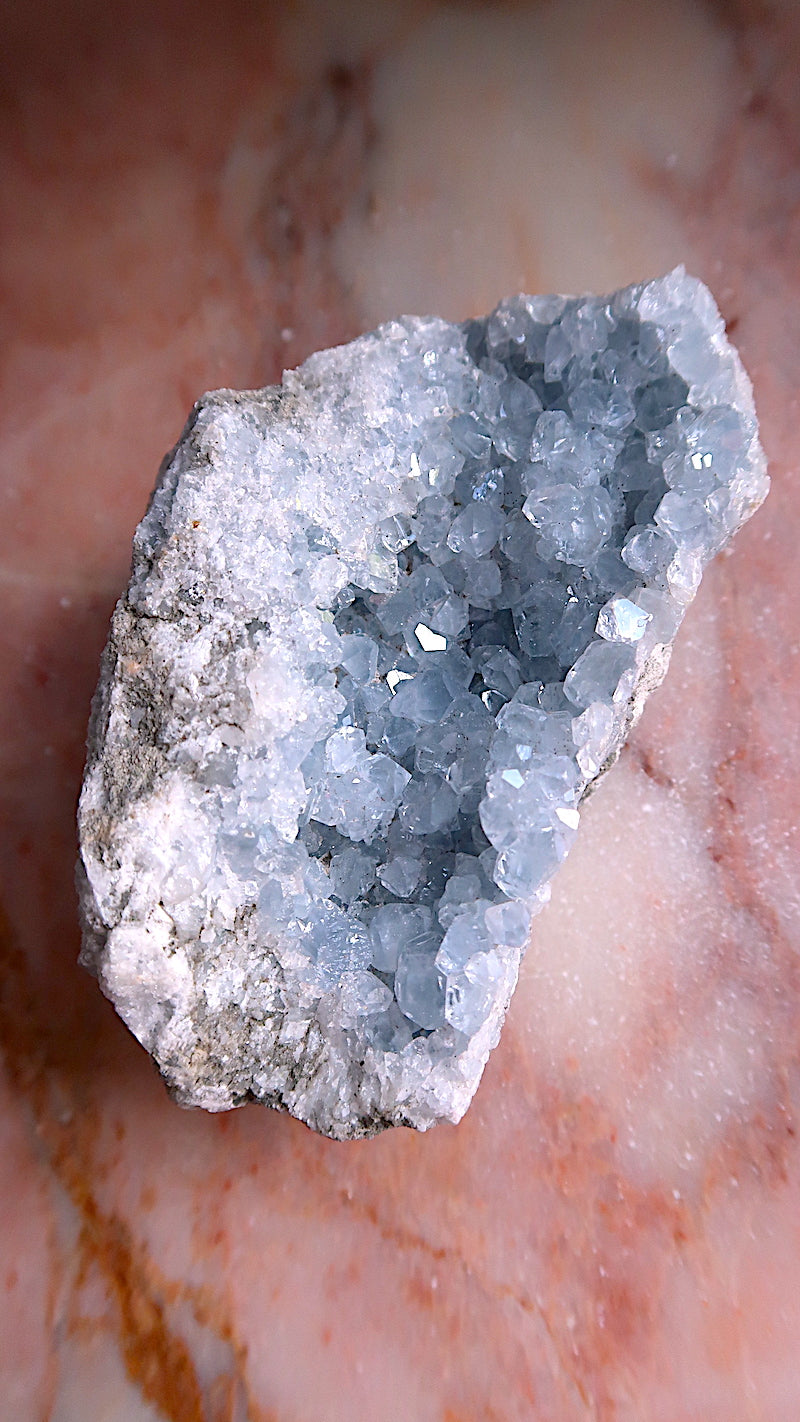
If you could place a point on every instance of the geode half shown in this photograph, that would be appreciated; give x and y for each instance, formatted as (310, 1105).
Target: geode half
(386, 623)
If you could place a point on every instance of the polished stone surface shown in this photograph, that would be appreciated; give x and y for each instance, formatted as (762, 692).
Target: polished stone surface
(163, 239)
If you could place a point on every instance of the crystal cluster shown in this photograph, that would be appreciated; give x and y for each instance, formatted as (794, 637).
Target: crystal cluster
(385, 624)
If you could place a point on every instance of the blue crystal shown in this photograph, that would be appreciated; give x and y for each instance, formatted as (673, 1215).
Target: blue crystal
(396, 615)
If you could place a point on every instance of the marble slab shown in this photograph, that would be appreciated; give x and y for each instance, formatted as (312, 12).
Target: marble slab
(611, 1233)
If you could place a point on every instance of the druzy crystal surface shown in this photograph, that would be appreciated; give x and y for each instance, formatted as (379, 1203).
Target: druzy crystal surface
(385, 625)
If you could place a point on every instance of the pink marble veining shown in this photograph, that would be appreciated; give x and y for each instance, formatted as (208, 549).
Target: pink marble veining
(613, 1231)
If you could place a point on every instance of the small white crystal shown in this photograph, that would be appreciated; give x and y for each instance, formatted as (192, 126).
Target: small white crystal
(428, 640)
(622, 621)
(394, 677)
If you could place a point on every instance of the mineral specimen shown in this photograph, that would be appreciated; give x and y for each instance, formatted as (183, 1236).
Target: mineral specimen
(385, 625)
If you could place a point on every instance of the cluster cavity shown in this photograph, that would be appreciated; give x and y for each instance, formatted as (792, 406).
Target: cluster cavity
(564, 505)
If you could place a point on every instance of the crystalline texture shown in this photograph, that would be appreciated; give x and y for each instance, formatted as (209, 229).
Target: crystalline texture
(385, 624)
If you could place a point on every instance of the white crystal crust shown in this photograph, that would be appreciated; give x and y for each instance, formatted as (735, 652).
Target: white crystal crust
(385, 625)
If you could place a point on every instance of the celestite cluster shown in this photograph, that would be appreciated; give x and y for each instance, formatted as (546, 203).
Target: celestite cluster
(386, 623)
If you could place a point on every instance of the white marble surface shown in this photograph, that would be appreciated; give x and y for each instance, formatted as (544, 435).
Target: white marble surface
(612, 1233)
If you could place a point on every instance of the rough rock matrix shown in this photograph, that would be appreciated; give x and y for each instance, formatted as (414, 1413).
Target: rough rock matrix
(385, 625)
